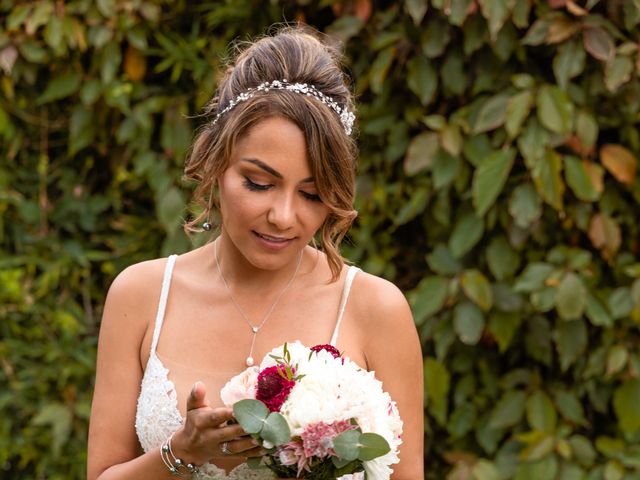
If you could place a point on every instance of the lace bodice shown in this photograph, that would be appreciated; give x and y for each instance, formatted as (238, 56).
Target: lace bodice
(157, 414)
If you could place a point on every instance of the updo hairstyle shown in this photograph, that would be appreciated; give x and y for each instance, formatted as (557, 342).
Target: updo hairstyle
(296, 55)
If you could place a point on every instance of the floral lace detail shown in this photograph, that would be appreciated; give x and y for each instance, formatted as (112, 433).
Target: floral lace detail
(157, 416)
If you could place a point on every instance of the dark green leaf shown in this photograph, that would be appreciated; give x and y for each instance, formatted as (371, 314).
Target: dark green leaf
(571, 341)
(60, 87)
(571, 297)
(555, 110)
(468, 322)
(422, 78)
(509, 410)
(466, 233)
(489, 179)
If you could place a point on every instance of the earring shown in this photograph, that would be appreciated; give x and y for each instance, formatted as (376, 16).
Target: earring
(206, 226)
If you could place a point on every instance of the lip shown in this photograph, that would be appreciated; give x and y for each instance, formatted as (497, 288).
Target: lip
(273, 242)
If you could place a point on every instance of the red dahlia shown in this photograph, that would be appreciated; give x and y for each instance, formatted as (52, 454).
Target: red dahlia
(329, 348)
(274, 387)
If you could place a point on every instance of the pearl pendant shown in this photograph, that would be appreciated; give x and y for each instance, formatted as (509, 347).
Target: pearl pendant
(255, 329)
(249, 361)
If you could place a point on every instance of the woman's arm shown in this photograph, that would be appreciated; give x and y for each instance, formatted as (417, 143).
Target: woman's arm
(114, 451)
(392, 350)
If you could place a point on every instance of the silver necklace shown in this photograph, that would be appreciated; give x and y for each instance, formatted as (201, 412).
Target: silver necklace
(255, 328)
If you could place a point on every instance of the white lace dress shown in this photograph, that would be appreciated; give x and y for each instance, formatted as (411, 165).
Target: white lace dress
(157, 415)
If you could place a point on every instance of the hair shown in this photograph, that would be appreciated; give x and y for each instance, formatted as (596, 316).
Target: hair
(297, 55)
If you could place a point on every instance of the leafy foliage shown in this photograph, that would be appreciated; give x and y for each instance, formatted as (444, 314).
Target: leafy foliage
(498, 185)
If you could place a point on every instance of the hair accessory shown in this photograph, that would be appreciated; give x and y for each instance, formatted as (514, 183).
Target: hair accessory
(255, 328)
(346, 117)
(175, 464)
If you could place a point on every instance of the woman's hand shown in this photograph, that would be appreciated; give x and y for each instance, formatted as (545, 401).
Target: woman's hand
(206, 435)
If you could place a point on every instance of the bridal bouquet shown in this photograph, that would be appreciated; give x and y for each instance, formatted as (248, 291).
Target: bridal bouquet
(318, 415)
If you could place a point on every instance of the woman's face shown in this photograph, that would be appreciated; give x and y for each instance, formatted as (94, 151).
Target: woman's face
(268, 198)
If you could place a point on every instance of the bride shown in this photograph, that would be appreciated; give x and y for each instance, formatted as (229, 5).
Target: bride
(276, 171)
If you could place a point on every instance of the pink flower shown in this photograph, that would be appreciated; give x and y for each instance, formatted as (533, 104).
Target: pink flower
(274, 387)
(329, 348)
(240, 387)
(292, 453)
(317, 438)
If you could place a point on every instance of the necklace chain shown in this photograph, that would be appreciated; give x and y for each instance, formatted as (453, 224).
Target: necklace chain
(255, 328)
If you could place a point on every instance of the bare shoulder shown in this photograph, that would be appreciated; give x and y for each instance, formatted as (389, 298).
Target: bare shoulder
(134, 293)
(379, 301)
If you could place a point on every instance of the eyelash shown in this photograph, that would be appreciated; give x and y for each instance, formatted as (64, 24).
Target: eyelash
(257, 187)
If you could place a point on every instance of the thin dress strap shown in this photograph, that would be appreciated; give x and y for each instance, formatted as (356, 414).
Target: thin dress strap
(351, 273)
(166, 282)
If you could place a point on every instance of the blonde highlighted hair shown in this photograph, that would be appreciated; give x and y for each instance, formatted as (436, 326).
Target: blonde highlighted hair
(297, 55)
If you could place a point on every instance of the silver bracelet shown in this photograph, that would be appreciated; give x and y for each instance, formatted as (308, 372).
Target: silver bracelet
(175, 465)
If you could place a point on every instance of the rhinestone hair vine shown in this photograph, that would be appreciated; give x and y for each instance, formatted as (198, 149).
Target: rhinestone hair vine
(346, 117)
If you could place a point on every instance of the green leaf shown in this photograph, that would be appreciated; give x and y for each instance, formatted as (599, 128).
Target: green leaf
(380, 68)
(583, 450)
(441, 261)
(597, 313)
(503, 326)
(620, 302)
(537, 33)
(571, 297)
(555, 110)
(445, 169)
(547, 177)
(436, 386)
(462, 420)
(568, 62)
(429, 297)
(477, 288)
(496, 12)
(489, 179)
(466, 233)
(618, 72)
(346, 445)
(372, 445)
(509, 410)
(435, 37)
(422, 78)
(518, 108)
(502, 259)
(616, 359)
(81, 129)
(275, 429)
(625, 405)
(485, 470)
(60, 419)
(492, 114)
(570, 407)
(250, 414)
(533, 277)
(586, 129)
(571, 341)
(541, 413)
(416, 9)
(598, 43)
(468, 322)
(111, 60)
(170, 208)
(60, 86)
(525, 205)
(345, 27)
(544, 469)
(421, 152)
(579, 180)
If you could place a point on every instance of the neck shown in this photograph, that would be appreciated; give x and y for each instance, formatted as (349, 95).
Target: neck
(240, 274)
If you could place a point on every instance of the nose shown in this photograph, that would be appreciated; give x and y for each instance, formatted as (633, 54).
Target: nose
(281, 212)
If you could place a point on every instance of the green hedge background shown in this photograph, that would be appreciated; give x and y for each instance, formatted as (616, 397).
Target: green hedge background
(498, 187)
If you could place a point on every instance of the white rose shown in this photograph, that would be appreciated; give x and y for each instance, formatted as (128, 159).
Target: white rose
(240, 387)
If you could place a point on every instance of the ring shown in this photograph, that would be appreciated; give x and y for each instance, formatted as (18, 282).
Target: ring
(225, 448)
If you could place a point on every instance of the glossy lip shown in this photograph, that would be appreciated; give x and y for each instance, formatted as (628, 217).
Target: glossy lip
(279, 244)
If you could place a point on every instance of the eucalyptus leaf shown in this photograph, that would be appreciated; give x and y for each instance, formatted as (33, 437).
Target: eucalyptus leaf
(275, 429)
(346, 445)
(250, 414)
(372, 445)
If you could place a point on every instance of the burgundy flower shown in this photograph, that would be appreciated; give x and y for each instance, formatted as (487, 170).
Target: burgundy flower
(329, 348)
(274, 387)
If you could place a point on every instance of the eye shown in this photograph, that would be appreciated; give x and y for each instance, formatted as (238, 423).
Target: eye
(311, 196)
(255, 187)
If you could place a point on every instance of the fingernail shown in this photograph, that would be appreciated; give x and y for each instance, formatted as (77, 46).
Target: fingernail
(254, 443)
(193, 389)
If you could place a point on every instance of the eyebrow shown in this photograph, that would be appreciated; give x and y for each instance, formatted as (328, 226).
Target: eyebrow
(271, 170)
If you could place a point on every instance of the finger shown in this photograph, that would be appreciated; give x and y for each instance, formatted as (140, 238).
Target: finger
(197, 397)
(219, 416)
(240, 448)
